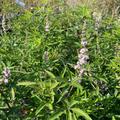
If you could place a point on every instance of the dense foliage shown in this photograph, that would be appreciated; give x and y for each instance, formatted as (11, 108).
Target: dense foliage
(37, 58)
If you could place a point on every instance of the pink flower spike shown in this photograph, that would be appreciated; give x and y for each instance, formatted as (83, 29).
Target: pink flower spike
(6, 73)
(5, 81)
(83, 50)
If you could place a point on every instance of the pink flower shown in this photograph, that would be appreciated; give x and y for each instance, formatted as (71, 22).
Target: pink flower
(81, 72)
(6, 73)
(83, 50)
(82, 61)
(5, 80)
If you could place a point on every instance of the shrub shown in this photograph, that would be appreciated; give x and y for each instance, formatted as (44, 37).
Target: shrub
(43, 83)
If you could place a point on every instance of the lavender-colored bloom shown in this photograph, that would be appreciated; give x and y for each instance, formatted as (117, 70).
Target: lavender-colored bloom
(85, 57)
(5, 80)
(84, 43)
(6, 73)
(82, 55)
(83, 50)
(82, 61)
(81, 72)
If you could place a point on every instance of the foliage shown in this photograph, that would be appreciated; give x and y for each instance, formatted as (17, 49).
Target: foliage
(43, 84)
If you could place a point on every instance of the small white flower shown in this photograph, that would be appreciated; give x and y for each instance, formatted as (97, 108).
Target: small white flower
(84, 43)
(47, 27)
(5, 80)
(69, 80)
(6, 73)
(83, 50)
(82, 61)
(86, 57)
(77, 66)
(81, 72)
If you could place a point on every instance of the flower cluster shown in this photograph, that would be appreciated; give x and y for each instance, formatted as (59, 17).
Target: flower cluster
(97, 18)
(6, 75)
(82, 55)
(47, 26)
(45, 56)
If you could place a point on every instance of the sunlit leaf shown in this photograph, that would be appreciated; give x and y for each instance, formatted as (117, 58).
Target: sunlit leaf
(113, 118)
(27, 83)
(56, 115)
(12, 93)
(81, 113)
(50, 74)
(41, 106)
(70, 116)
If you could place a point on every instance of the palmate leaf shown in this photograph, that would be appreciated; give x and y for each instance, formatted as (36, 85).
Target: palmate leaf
(80, 112)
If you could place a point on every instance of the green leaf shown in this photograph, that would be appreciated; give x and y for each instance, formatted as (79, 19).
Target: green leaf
(50, 74)
(64, 71)
(75, 84)
(113, 118)
(74, 117)
(81, 113)
(56, 115)
(62, 95)
(27, 83)
(73, 102)
(53, 85)
(70, 116)
(41, 106)
(50, 106)
(12, 93)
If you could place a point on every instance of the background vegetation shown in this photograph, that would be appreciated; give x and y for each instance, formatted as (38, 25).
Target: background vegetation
(39, 48)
